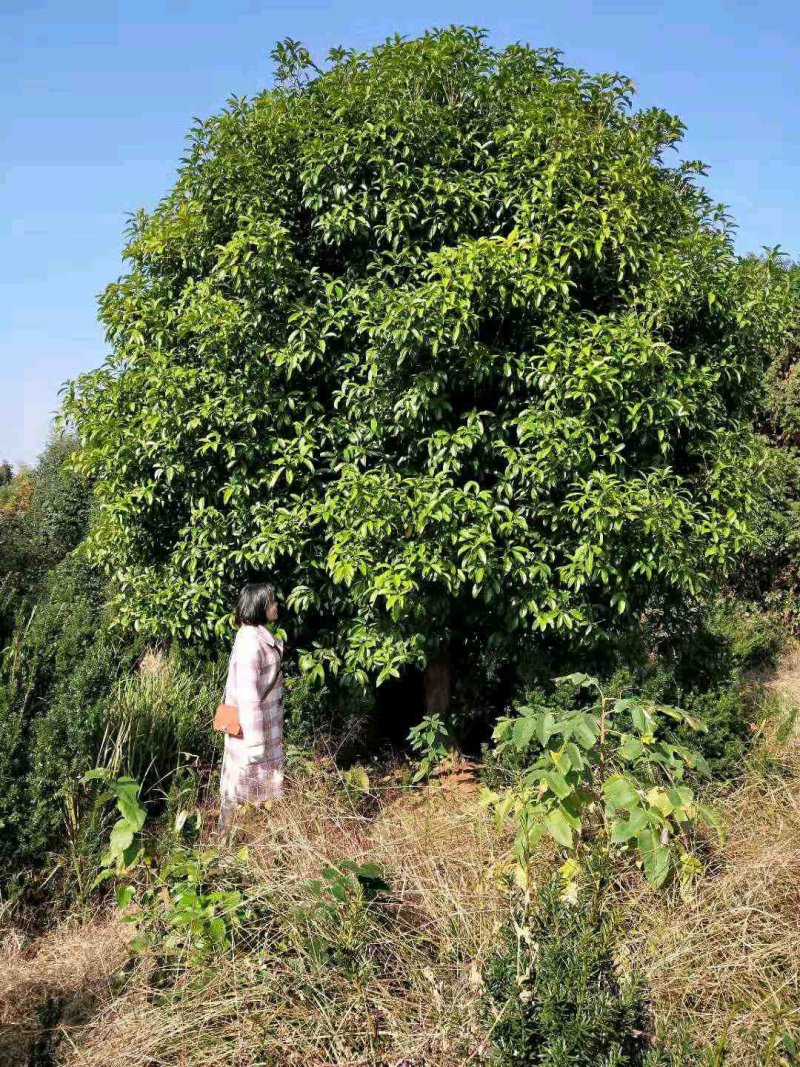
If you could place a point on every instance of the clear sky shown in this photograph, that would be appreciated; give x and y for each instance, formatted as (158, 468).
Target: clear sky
(97, 95)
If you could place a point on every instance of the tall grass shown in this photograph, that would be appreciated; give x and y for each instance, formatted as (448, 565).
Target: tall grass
(52, 987)
(159, 718)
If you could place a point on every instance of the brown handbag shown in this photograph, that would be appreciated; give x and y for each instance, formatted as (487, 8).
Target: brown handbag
(226, 720)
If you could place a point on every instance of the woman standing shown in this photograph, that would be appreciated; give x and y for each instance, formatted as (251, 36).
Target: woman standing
(252, 767)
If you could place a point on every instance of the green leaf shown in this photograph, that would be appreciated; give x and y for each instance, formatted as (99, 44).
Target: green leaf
(121, 837)
(579, 680)
(558, 784)
(545, 727)
(586, 731)
(631, 748)
(562, 760)
(619, 793)
(699, 763)
(124, 894)
(623, 830)
(655, 857)
(217, 930)
(624, 703)
(706, 816)
(680, 796)
(99, 774)
(639, 719)
(659, 799)
(522, 732)
(369, 870)
(131, 810)
(131, 854)
(572, 757)
(103, 876)
(559, 828)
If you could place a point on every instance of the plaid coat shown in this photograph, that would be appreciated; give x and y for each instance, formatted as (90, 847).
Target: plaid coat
(252, 767)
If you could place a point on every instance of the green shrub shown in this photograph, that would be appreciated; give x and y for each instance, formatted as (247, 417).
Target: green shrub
(340, 916)
(709, 670)
(752, 637)
(124, 837)
(72, 698)
(708, 666)
(188, 907)
(556, 996)
(770, 572)
(605, 772)
(15, 577)
(44, 515)
(55, 680)
(337, 712)
(729, 716)
(58, 516)
(431, 741)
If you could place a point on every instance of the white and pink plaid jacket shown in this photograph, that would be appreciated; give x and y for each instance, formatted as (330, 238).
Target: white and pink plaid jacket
(252, 768)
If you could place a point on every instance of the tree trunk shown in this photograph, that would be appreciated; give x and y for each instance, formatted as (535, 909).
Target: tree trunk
(437, 683)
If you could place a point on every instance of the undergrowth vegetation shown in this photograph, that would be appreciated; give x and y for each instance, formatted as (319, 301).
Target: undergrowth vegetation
(333, 931)
(380, 924)
(556, 992)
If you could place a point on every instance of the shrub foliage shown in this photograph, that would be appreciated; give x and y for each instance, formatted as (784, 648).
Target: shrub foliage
(605, 771)
(441, 337)
(54, 681)
(555, 993)
(44, 513)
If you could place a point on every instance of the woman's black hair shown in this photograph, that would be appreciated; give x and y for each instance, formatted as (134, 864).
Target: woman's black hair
(255, 600)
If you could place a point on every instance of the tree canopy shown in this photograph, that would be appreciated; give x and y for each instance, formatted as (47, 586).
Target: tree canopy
(439, 336)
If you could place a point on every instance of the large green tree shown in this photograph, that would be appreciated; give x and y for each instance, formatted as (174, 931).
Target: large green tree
(444, 338)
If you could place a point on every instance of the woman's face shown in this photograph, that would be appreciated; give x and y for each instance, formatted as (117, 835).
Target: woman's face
(272, 612)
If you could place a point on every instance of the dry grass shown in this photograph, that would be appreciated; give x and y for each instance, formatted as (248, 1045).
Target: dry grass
(725, 965)
(64, 977)
(402, 987)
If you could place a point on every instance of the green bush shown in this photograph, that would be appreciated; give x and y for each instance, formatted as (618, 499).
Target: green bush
(604, 771)
(703, 663)
(782, 393)
(727, 711)
(58, 516)
(44, 515)
(770, 573)
(14, 552)
(337, 712)
(56, 676)
(709, 671)
(556, 996)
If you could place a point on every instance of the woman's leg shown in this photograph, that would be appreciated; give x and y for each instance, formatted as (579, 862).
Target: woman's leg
(227, 812)
(227, 792)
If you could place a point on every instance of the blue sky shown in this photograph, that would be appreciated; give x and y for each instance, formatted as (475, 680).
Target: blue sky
(96, 97)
